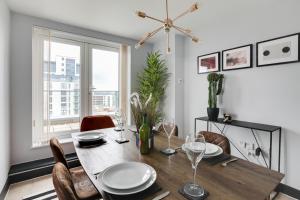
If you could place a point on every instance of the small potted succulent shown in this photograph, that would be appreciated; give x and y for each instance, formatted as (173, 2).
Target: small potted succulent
(214, 89)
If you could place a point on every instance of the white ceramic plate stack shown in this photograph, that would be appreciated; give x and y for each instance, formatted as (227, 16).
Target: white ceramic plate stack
(90, 136)
(212, 150)
(127, 178)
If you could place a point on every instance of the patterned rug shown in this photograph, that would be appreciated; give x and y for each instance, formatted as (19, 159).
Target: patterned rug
(49, 195)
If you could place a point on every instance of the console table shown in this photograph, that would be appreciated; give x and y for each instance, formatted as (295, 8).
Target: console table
(249, 125)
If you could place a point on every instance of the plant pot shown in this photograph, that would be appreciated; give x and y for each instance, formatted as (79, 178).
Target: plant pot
(213, 114)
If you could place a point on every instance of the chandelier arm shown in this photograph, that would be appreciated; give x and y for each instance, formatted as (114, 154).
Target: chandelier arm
(181, 15)
(148, 35)
(168, 43)
(155, 19)
(193, 8)
(195, 39)
(167, 9)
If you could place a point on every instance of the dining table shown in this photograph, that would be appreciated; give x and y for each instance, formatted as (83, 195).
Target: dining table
(237, 181)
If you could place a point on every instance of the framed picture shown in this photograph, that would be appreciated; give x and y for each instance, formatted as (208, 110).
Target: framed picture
(237, 58)
(278, 51)
(208, 63)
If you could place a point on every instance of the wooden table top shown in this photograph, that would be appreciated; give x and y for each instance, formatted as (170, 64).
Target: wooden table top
(239, 180)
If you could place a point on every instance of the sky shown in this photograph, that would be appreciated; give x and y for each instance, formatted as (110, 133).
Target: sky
(105, 64)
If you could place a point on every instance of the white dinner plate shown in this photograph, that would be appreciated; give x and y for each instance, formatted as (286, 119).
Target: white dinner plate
(136, 174)
(89, 136)
(219, 152)
(135, 190)
(211, 148)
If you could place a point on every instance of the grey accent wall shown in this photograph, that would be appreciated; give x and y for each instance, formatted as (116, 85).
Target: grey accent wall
(268, 95)
(4, 93)
(174, 101)
(21, 94)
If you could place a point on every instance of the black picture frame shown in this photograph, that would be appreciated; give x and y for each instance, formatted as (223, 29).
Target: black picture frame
(273, 39)
(240, 47)
(218, 66)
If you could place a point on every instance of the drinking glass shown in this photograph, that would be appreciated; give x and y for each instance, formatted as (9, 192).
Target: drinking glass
(194, 147)
(169, 127)
(121, 122)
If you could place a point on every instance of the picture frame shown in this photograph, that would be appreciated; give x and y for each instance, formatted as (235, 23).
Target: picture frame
(281, 50)
(208, 63)
(237, 58)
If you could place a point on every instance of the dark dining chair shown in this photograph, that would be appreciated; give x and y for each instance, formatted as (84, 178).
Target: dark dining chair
(84, 188)
(66, 189)
(217, 139)
(161, 130)
(90, 123)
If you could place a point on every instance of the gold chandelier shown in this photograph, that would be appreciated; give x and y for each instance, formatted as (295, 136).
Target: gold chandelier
(168, 23)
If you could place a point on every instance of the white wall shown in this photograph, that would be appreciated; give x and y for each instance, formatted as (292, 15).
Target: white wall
(4, 93)
(21, 94)
(268, 95)
(173, 104)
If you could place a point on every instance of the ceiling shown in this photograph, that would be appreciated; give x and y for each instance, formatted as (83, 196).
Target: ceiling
(118, 16)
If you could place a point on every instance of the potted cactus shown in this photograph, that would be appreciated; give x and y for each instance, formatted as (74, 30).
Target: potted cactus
(214, 89)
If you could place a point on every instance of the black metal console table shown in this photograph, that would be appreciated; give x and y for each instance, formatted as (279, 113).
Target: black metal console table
(252, 126)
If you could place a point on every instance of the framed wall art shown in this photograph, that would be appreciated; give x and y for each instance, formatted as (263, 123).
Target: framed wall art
(208, 63)
(237, 58)
(278, 50)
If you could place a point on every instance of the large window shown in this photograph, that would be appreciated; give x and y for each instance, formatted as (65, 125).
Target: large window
(63, 66)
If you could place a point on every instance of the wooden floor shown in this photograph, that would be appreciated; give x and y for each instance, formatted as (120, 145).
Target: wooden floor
(42, 184)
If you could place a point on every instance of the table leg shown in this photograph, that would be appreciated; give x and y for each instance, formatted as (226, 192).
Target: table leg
(270, 151)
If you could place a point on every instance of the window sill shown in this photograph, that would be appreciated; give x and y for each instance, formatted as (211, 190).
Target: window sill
(61, 141)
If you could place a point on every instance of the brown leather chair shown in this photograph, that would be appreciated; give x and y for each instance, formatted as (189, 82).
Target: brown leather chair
(161, 130)
(64, 187)
(96, 122)
(217, 139)
(83, 187)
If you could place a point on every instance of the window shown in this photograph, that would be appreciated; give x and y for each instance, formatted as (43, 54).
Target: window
(59, 74)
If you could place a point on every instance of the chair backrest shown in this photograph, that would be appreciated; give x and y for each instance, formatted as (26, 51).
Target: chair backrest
(217, 139)
(58, 152)
(62, 182)
(90, 123)
(161, 130)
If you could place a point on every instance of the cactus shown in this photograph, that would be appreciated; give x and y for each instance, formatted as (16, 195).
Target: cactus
(214, 89)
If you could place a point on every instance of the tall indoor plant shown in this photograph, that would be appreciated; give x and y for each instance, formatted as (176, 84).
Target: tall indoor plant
(215, 81)
(152, 83)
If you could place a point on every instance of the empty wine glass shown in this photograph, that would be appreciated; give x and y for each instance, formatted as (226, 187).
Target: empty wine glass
(121, 122)
(194, 147)
(169, 128)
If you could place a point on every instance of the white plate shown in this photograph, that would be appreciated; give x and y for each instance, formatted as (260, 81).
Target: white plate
(219, 152)
(89, 136)
(211, 148)
(139, 174)
(135, 190)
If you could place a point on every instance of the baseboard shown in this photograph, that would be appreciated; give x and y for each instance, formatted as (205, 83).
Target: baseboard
(33, 169)
(285, 189)
(5, 189)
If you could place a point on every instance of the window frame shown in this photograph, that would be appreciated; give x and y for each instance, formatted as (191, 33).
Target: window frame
(39, 35)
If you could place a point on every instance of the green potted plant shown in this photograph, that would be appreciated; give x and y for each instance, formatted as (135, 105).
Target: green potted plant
(215, 81)
(152, 84)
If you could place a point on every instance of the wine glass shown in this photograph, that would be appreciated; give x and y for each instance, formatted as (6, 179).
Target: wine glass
(169, 128)
(194, 147)
(122, 122)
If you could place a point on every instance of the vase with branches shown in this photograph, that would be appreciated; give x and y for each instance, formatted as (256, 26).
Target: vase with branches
(152, 84)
